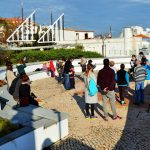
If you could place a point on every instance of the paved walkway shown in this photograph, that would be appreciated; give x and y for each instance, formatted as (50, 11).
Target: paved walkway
(132, 132)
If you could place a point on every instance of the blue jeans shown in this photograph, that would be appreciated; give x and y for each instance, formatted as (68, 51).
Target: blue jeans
(59, 77)
(139, 92)
(66, 81)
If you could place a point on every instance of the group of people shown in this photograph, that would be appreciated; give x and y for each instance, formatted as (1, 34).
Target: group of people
(105, 82)
(18, 84)
(65, 71)
(107, 79)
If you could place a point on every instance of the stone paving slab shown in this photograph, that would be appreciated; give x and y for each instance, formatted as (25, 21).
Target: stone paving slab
(132, 132)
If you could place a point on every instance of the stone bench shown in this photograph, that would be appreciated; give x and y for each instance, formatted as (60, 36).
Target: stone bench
(41, 127)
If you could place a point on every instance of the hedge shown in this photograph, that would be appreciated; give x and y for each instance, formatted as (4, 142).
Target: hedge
(36, 55)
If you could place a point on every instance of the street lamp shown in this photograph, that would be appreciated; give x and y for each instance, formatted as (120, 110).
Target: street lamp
(103, 37)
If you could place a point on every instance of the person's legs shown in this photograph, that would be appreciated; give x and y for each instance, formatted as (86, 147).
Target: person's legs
(120, 92)
(142, 92)
(72, 83)
(59, 77)
(92, 109)
(104, 99)
(87, 109)
(111, 96)
(66, 82)
(137, 93)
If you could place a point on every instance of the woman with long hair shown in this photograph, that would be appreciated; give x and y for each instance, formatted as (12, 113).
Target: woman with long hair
(90, 100)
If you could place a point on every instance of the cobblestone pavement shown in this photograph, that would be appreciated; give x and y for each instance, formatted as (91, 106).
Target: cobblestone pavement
(132, 132)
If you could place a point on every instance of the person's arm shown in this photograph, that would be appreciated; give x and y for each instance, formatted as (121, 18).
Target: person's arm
(116, 77)
(98, 79)
(127, 78)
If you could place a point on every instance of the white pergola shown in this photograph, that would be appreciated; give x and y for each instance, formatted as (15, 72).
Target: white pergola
(25, 32)
(55, 32)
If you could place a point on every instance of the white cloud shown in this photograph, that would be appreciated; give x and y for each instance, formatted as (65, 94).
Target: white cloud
(140, 1)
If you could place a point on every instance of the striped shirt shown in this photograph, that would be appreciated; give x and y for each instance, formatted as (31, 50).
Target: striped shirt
(140, 74)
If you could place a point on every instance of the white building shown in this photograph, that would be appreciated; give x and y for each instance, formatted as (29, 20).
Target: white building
(131, 41)
(73, 35)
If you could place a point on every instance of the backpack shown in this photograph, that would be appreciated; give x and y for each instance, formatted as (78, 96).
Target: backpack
(92, 87)
(13, 86)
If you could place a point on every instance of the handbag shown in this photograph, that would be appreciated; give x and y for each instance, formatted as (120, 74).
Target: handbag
(92, 87)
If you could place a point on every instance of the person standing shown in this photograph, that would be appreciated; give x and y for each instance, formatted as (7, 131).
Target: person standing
(133, 62)
(83, 64)
(142, 58)
(52, 68)
(139, 78)
(71, 77)
(66, 71)
(147, 79)
(106, 82)
(59, 67)
(90, 101)
(21, 67)
(123, 82)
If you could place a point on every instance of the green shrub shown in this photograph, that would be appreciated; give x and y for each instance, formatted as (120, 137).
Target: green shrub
(37, 55)
(6, 127)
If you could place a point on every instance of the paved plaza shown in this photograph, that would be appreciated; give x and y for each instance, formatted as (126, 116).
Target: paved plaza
(132, 132)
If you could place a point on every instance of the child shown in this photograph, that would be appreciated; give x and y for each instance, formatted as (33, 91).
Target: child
(123, 82)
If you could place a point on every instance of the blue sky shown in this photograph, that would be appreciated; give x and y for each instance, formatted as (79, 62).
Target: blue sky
(95, 15)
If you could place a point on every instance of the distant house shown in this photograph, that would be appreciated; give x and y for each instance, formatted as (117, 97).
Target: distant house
(72, 34)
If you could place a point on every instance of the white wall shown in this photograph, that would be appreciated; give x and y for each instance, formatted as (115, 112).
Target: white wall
(70, 35)
(39, 138)
(114, 46)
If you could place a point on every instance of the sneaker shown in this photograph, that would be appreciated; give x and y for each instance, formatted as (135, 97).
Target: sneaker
(116, 117)
(87, 116)
(105, 118)
(93, 117)
(122, 102)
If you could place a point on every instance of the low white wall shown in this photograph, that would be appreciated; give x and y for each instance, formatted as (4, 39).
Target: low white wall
(97, 61)
(38, 138)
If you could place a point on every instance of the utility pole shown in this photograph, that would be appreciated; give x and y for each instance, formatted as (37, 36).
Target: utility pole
(51, 18)
(22, 11)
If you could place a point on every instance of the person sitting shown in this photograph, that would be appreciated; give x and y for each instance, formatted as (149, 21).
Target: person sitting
(25, 97)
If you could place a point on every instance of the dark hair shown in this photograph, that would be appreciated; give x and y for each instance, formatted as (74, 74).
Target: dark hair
(24, 77)
(141, 53)
(122, 66)
(90, 61)
(106, 62)
(133, 55)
